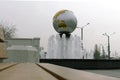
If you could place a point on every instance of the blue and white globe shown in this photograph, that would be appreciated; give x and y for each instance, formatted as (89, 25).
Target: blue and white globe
(64, 21)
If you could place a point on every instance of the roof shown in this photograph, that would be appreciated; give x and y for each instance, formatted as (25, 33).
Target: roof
(22, 48)
(3, 51)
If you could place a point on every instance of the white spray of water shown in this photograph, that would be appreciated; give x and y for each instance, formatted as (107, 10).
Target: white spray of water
(64, 48)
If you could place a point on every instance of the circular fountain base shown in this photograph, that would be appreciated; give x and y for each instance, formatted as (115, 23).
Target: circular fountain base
(84, 63)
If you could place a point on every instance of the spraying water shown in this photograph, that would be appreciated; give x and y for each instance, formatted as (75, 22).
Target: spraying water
(64, 47)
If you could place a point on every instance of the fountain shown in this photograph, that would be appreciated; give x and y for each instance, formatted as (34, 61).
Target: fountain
(64, 45)
(64, 49)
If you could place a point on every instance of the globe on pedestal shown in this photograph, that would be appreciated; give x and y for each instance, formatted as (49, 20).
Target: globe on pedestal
(64, 22)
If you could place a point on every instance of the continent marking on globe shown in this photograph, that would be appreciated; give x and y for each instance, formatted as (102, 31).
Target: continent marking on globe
(58, 13)
(64, 22)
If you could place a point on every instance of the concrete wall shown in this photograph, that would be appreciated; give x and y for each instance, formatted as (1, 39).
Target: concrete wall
(24, 41)
(84, 63)
(3, 51)
(1, 34)
(26, 50)
(22, 56)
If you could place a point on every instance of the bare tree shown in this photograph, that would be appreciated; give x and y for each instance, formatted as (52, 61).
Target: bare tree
(8, 30)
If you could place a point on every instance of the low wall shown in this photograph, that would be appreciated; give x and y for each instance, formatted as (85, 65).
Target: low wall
(84, 63)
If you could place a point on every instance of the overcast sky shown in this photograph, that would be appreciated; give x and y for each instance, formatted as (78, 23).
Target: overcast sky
(34, 19)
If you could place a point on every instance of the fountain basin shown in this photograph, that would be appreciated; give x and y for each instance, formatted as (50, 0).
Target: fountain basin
(84, 63)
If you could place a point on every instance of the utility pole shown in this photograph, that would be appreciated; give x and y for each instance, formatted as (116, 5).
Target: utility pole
(108, 36)
(108, 47)
(82, 30)
(82, 35)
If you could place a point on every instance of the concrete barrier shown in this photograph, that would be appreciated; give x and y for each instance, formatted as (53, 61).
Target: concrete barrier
(84, 63)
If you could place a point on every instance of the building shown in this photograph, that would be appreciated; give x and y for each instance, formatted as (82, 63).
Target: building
(23, 49)
(3, 52)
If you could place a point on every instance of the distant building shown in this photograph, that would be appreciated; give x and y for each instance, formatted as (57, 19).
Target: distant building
(3, 52)
(23, 49)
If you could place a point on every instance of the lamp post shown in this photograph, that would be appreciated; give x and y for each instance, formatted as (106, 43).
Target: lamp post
(108, 36)
(82, 36)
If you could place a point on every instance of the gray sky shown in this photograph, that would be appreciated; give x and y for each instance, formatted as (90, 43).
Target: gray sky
(34, 19)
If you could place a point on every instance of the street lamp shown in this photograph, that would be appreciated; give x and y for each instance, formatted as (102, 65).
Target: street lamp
(82, 30)
(108, 36)
(82, 36)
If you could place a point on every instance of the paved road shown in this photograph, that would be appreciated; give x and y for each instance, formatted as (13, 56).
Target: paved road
(25, 71)
(113, 73)
(44, 71)
(73, 74)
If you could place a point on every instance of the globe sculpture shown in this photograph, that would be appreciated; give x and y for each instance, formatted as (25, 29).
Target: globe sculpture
(64, 45)
(64, 21)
